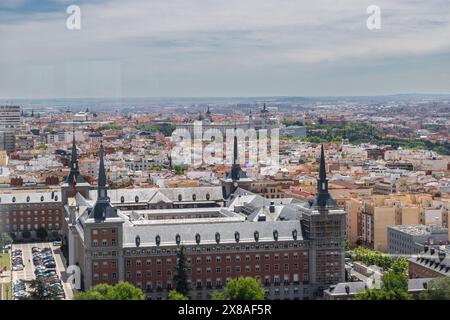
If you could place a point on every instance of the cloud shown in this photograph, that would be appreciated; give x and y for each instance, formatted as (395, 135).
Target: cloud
(179, 36)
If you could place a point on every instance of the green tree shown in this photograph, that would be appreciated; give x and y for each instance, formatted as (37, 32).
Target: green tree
(174, 295)
(394, 284)
(180, 169)
(40, 289)
(5, 239)
(243, 289)
(181, 274)
(437, 289)
(41, 233)
(121, 291)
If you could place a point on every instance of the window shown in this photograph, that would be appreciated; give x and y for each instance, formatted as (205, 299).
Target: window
(104, 243)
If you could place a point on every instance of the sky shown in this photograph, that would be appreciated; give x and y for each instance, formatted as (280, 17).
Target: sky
(222, 48)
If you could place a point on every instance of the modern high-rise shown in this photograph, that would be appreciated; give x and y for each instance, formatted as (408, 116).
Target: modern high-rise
(9, 125)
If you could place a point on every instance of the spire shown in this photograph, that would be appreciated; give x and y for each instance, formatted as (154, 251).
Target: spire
(74, 161)
(101, 175)
(235, 149)
(322, 171)
(323, 198)
(102, 208)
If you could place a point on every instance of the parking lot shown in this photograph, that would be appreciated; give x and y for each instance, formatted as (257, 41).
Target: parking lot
(44, 261)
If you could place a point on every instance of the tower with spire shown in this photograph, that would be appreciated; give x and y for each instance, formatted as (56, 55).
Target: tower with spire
(324, 224)
(74, 181)
(323, 198)
(102, 208)
(236, 177)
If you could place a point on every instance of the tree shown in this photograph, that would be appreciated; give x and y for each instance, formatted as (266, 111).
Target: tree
(40, 289)
(437, 289)
(41, 233)
(174, 295)
(242, 289)
(394, 284)
(5, 239)
(181, 274)
(121, 291)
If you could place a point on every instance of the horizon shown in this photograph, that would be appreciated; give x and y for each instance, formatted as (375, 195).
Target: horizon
(193, 48)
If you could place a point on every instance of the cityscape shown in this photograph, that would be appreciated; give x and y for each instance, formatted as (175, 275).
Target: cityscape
(107, 193)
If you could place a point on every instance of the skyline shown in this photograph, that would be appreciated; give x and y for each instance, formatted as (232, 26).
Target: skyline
(227, 49)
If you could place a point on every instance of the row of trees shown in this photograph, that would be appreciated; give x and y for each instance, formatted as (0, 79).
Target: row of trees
(371, 257)
(358, 133)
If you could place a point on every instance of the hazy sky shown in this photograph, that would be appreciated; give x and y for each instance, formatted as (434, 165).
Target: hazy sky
(158, 48)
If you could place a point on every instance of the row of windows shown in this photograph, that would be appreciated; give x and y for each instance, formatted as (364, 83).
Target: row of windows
(218, 248)
(218, 259)
(35, 219)
(104, 243)
(103, 231)
(14, 213)
(30, 227)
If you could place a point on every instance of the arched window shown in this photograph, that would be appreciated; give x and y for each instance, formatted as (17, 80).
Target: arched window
(217, 237)
(136, 199)
(197, 238)
(42, 198)
(13, 199)
(208, 196)
(158, 240)
(177, 239)
(180, 197)
(122, 199)
(256, 235)
(194, 197)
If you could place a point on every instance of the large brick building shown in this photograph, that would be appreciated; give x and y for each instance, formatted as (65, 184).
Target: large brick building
(295, 248)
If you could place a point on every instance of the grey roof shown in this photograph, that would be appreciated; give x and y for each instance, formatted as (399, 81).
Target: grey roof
(353, 287)
(147, 195)
(32, 197)
(207, 232)
(434, 259)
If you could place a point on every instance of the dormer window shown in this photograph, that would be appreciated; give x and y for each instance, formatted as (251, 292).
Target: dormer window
(138, 241)
(28, 198)
(42, 198)
(122, 199)
(13, 199)
(294, 234)
(275, 235)
(158, 240)
(194, 197)
(136, 199)
(217, 237)
(208, 196)
(56, 198)
(236, 236)
(197, 238)
(256, 235)
(178, 239)
(180, 197)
